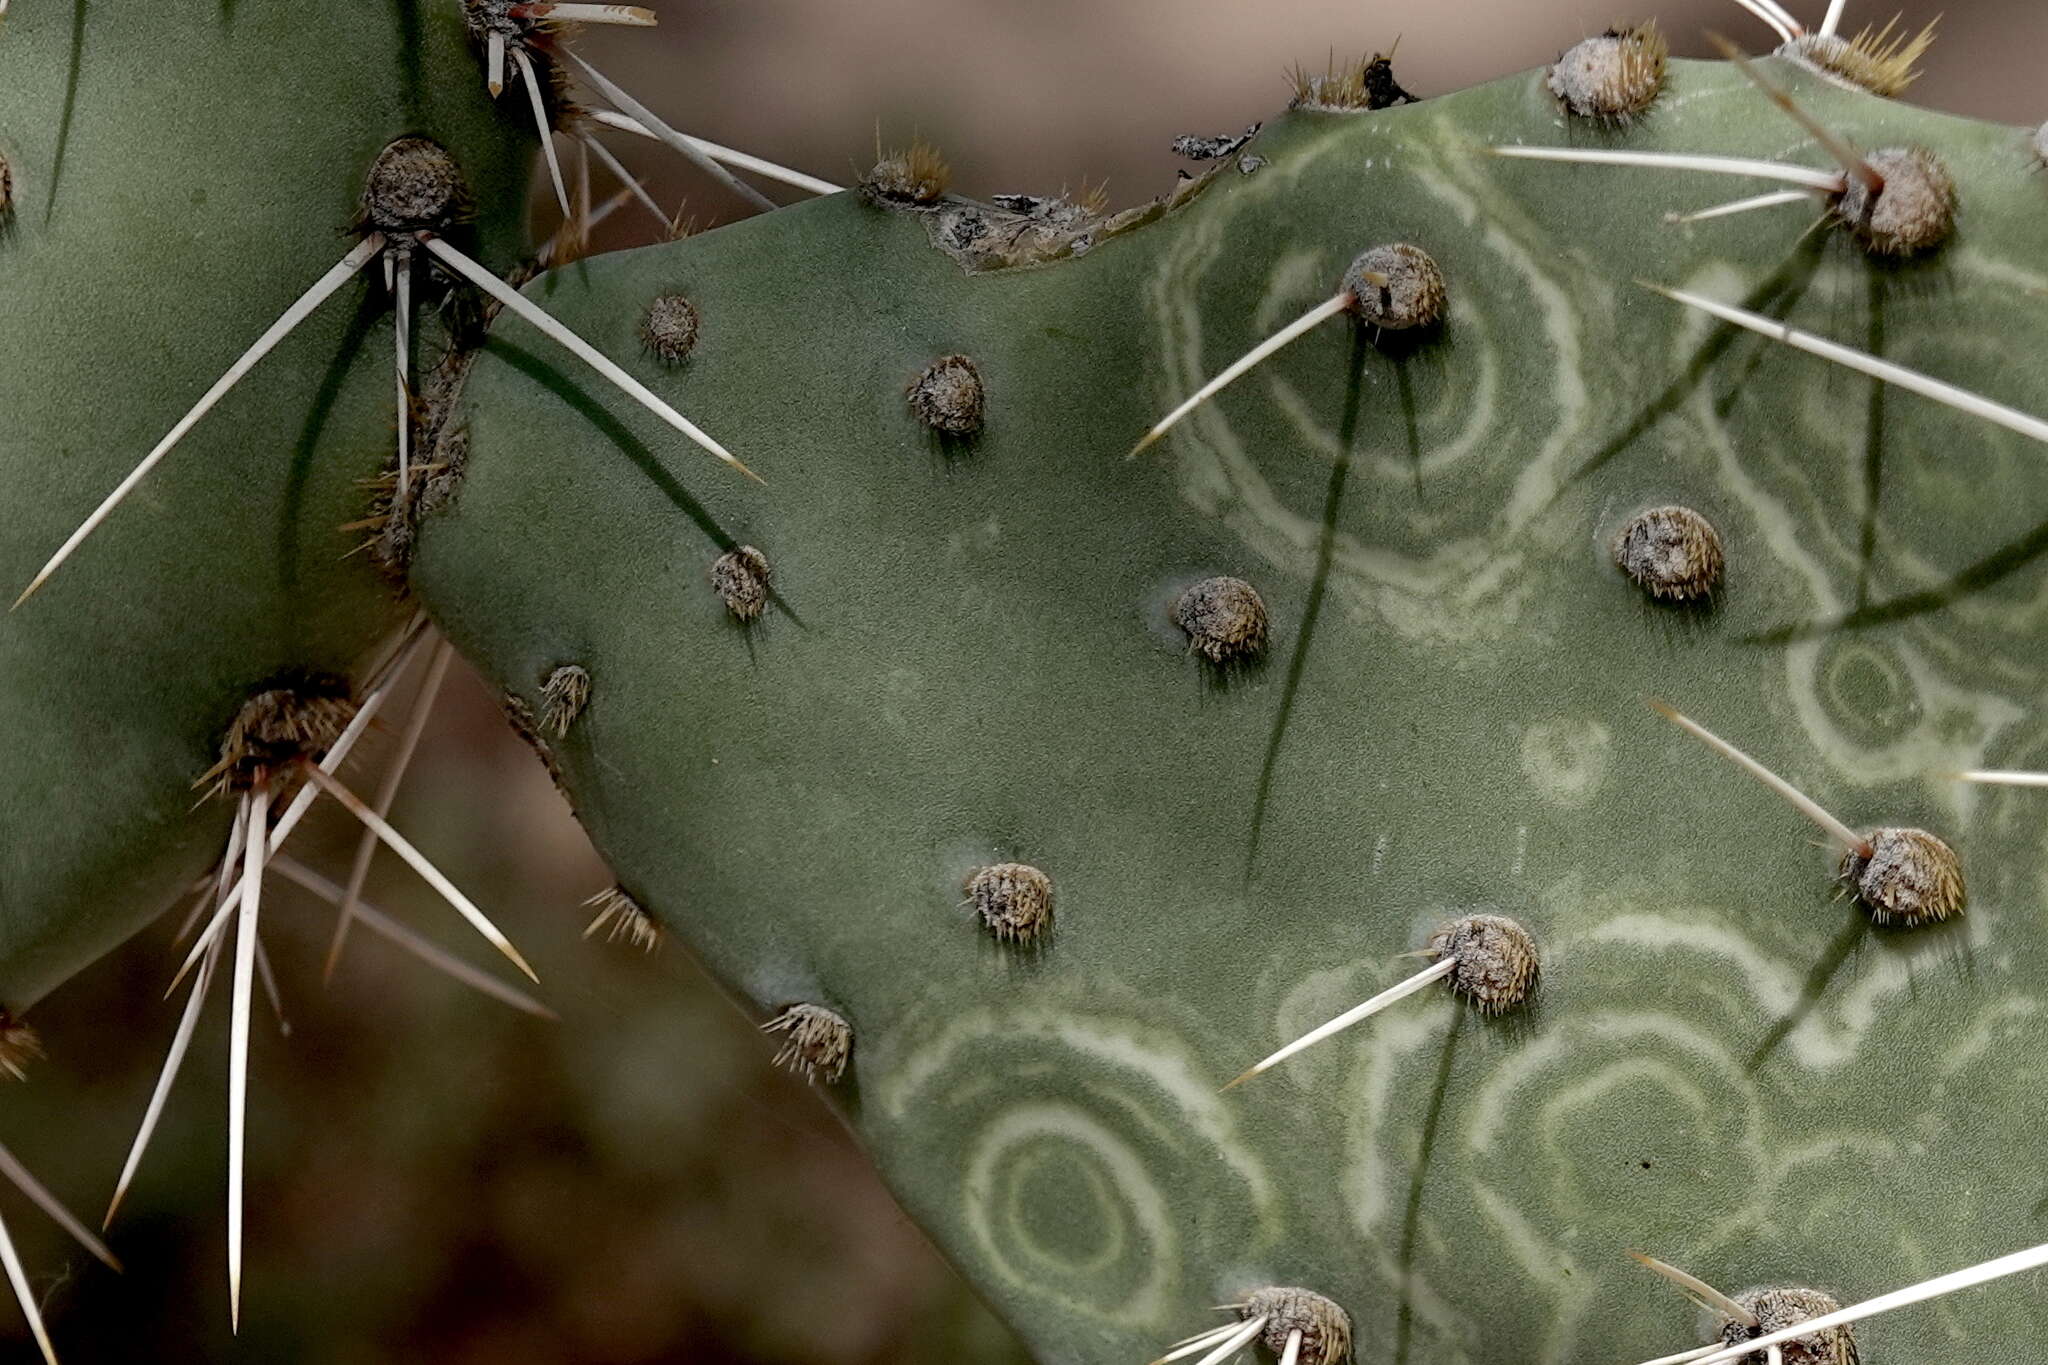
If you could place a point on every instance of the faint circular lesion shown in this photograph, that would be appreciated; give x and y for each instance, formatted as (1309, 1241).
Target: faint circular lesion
(1075, 1200)
(1566, 758)
(1867, 692)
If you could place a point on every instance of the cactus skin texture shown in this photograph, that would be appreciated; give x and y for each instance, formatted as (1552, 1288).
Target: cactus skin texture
(159, 227)
(970, 659)
(974, 662)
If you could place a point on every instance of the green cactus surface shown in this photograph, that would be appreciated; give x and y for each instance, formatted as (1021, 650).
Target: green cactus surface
(969, 656)
(158, 227)
(971, 659)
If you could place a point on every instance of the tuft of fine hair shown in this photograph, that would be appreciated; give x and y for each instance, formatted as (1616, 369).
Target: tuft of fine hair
(916, 175)
(1324, 1326)
(1614, 77)
(1359, 86)
(816, 1041)
(619, 917)
(563, 697)
(1913, 210)
(1225, 620)
(1779, 1307)
(294, 717)
(740, 578)
(414, 185)
(948, 397)
(1882, 61)
(1498, 961)
(1013, 899)
(669, 328)
(1672, 553)
(1907, 877)
(19, 1045)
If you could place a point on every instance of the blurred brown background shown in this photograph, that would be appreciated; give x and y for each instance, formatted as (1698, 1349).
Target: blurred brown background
(433, 1177)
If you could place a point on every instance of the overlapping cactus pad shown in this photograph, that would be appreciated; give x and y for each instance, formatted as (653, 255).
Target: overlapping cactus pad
(916, 732)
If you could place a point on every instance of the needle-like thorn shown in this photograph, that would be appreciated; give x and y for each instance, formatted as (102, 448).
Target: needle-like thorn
(581, 349)
(303, 308)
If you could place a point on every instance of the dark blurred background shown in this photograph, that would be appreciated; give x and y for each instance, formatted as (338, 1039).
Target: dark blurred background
(434, 1177)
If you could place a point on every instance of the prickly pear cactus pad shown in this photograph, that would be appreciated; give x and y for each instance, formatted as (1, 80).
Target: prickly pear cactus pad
(179, 172)
(971, 657)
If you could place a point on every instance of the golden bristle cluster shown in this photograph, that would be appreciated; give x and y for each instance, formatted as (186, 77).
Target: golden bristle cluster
(619, 916)
(1013, 899)
(1358, 86)
(1613, 77)
(916, 174)
(1883, 61)
(816, 1041)
(563, 697)
(278, 727)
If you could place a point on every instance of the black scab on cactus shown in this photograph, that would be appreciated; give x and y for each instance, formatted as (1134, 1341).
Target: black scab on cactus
(1356, 87)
